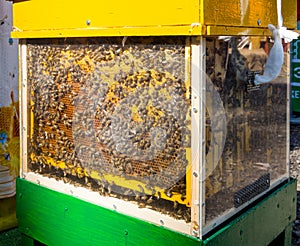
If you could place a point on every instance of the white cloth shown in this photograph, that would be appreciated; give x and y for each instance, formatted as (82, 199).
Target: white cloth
(275, 60)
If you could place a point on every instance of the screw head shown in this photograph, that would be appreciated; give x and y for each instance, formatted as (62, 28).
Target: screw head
(258, 22)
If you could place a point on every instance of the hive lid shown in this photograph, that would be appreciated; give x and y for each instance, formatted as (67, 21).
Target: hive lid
(39, 19)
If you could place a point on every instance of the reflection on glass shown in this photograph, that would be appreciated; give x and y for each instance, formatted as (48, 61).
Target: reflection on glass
(113, 116)
(255, 144)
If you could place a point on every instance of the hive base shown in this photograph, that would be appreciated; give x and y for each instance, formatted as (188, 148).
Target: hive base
(49, 217)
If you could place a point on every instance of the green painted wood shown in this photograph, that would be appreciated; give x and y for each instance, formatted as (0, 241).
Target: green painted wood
(261, 224)
(27, 241)
(55, 218)
(288, 235)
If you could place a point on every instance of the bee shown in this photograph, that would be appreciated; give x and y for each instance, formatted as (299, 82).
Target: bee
(158, 195)
(80, 175)
(61, 106)
(141, 189)
(150, 200)
(128, 168)
(144, 197)
(127, 192)
(64, 173)
(42, 144)
(51, 135)
(137, 196)
(109, 189)
(141, 205)
(89, 133)
(60, 142)
(54, 127)
(101, 190)
(195, 225)
(175, 205)
(65, 180)
(63, 150)
(68, 123)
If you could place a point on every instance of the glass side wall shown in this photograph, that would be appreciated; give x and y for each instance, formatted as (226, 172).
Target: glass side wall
(248, 154)
(113, 115)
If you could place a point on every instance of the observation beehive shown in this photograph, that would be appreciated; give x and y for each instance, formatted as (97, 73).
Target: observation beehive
(168, 129)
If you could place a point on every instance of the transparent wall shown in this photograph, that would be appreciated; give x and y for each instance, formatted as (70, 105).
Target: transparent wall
(112, 115)
(249, 154)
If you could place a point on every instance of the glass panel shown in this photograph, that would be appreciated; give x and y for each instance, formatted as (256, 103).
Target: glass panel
(249, 153)
(112, 115)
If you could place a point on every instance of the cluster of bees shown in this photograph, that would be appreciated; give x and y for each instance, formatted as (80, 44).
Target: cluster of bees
(111, 109)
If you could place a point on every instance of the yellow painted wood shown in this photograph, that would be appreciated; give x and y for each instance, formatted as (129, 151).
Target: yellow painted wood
(125, 183)
(95, 17)
(41, 18)
(248, 13)
(110, 32)
(241, 31)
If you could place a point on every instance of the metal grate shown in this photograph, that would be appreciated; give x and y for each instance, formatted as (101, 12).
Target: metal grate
(250, 191)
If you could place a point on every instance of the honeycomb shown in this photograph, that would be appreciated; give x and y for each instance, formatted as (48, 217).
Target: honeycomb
(111, 114)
